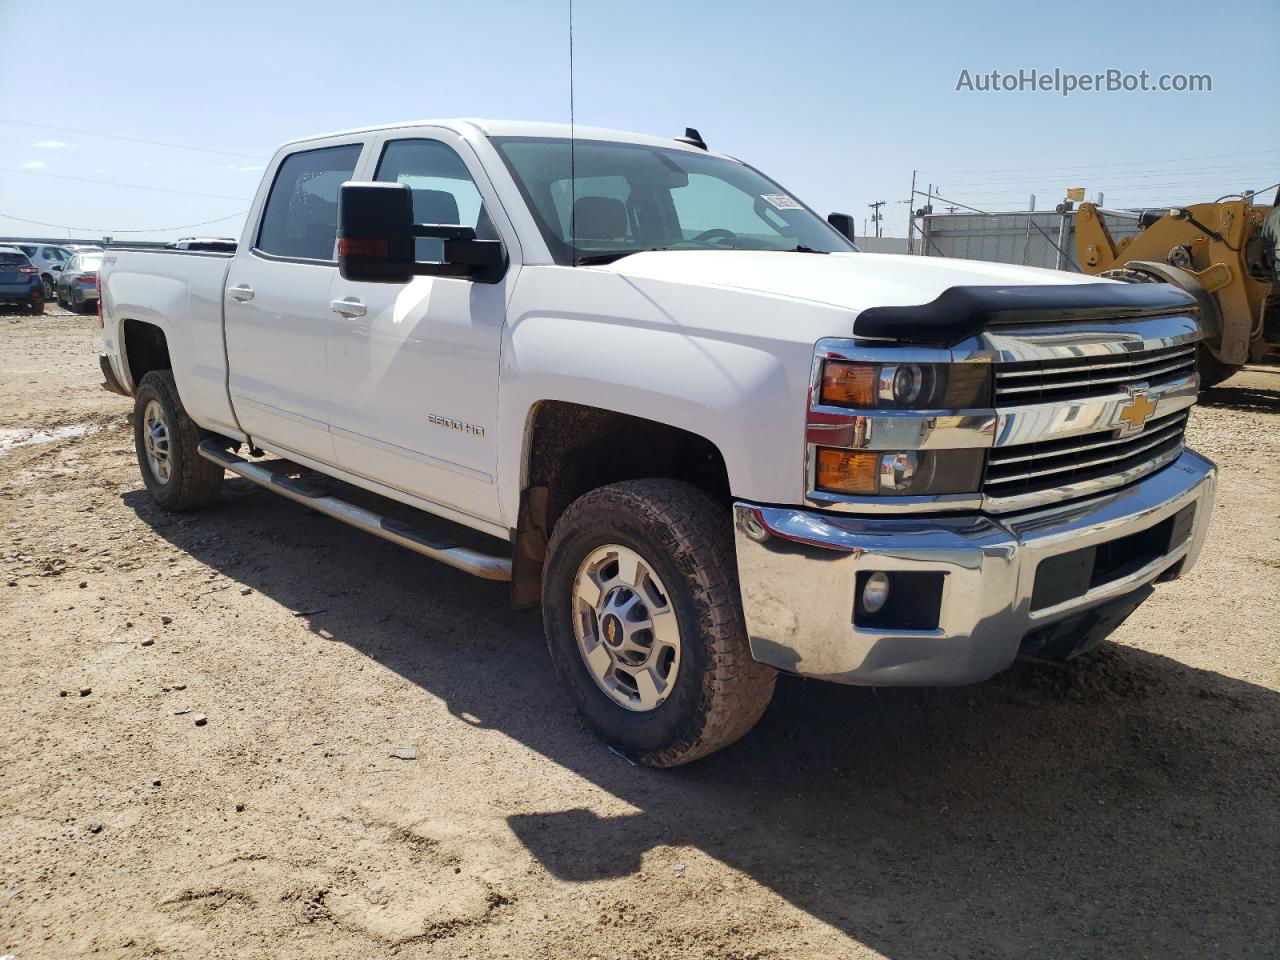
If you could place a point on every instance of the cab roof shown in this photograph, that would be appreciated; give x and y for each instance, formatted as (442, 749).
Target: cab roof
(464, 126)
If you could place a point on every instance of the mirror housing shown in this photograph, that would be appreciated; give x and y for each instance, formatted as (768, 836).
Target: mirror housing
(376, 233)
(843, 223)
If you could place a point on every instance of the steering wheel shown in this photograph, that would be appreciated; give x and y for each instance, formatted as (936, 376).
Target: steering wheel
(715, 233)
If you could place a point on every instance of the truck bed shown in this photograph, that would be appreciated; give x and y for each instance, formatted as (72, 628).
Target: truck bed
(181, 292)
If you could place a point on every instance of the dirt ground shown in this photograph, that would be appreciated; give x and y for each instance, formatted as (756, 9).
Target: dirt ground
(1126, 806)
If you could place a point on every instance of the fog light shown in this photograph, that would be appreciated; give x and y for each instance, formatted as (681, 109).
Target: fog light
(875, 593)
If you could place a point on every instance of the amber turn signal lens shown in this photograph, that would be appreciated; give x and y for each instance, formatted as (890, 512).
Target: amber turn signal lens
(362, 247)
(847, 471)
(849, 384)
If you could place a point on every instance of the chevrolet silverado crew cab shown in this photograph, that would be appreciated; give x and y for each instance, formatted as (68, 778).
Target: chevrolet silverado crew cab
(663, 398)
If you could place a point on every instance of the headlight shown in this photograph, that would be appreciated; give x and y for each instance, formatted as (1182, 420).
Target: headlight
(907, 473)
(906, 386)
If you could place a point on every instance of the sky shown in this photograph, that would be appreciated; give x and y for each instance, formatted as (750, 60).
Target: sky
(151, 115)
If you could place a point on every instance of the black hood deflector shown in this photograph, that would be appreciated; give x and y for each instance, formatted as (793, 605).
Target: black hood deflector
(961, 312)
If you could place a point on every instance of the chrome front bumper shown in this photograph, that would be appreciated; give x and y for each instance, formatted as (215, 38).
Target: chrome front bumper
(798, 569)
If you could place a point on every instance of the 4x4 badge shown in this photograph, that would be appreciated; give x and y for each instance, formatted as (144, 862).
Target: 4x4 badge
(1137, 411)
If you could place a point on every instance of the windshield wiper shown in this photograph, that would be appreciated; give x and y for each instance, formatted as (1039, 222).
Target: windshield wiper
(801, 248)
(597, 258)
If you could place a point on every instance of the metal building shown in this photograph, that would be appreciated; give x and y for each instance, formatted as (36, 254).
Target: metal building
(1040, 238)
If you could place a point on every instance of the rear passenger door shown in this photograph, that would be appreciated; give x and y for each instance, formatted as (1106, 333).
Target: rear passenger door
(277, 303)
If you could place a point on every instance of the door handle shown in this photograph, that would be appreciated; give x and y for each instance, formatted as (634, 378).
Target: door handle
(351, 307)
(243, 292)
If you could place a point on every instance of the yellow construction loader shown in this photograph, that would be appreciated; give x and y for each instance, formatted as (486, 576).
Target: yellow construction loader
(1224, 254)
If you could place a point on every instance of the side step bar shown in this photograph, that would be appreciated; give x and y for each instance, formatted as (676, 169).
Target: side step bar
(472, 561)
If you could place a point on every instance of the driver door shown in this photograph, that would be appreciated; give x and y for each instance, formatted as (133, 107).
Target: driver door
(414, 366)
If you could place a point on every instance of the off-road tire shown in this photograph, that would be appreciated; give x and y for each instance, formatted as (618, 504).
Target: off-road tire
(720, 692)
(193, 481)
(1212, 370)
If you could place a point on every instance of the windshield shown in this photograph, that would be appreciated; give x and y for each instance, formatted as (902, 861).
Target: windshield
(632, 197)
(92, 261)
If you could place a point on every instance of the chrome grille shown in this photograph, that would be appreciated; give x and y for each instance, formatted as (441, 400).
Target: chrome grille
(1027, 468)
(1044, 381)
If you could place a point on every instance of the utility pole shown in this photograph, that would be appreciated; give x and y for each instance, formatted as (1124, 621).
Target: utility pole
(876, 216)
(910, 216)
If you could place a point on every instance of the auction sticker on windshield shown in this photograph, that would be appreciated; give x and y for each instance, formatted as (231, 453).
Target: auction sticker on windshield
(780, 201)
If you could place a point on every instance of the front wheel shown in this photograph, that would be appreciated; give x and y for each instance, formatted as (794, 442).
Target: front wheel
(644, 621)
(165, 440)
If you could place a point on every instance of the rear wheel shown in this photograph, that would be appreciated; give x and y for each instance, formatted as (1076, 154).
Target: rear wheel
(165, 440)
(644, 621)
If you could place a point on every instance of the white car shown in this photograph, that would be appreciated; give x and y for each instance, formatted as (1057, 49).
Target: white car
(664, 399)
(49, 259)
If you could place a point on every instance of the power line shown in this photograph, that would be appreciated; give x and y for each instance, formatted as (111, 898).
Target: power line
(114, 136)
(1100, 166)
(112, 230)
(132, 186)
(1082, 173)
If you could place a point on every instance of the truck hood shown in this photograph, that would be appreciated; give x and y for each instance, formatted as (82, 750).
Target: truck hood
(852, 281)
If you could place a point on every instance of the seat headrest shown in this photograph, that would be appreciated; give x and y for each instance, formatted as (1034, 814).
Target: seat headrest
(434, 206)
(599, 218)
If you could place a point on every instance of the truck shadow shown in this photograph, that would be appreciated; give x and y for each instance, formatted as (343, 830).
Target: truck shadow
(1126, 805)
(1255, 389)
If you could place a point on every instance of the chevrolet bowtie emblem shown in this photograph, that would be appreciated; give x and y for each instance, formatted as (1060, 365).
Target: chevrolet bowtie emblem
(1137, 411)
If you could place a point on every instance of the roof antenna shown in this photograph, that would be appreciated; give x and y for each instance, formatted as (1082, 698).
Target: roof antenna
(693, 138)
(573, 172)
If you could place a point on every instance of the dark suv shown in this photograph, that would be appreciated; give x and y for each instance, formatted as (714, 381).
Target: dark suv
(20, 280)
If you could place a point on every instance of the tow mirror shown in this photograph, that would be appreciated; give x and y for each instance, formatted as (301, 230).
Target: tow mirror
(376, 233)
(843, 223)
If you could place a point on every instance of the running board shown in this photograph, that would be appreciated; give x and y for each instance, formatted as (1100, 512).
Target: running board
(464, 558)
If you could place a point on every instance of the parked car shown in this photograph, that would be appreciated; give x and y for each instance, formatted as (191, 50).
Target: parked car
(49, 259)
(77, 285)
(83, 247)
(679, 409)
(20, 280)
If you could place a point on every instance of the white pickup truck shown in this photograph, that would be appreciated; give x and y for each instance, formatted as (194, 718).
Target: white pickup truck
(669, 402)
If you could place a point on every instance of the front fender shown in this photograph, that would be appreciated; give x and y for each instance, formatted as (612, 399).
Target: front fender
(743, 392)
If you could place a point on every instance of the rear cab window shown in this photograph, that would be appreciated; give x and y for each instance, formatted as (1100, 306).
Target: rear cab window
(300, 218)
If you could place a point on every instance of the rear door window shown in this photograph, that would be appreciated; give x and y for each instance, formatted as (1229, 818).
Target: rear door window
(300, 220)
